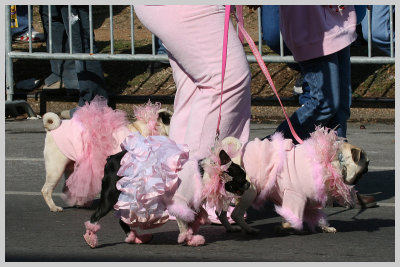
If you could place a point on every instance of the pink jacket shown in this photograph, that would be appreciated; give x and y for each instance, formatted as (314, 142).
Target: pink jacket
(312, 31)
(68, 138)
(294, 177)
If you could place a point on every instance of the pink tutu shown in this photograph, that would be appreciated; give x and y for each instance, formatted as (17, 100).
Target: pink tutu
(94, 133)
(149, 170)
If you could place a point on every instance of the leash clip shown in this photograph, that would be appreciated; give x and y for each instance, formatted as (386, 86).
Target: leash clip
(217, 135)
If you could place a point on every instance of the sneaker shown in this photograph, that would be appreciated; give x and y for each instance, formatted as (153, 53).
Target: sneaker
(36, 37)
(54, 86)
(367, 200)
(298, 86)
(65, 114)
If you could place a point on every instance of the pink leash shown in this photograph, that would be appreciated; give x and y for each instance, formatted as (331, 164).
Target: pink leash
(260, 61)
(224, 51)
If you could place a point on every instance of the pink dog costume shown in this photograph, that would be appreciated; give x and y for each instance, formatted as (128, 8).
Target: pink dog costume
(298, 179)
(94, 132)
(149, 170)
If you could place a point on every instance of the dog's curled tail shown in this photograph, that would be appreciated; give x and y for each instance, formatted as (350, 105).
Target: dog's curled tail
(51, 121)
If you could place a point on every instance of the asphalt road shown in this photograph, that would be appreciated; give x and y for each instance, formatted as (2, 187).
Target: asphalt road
(33, 233)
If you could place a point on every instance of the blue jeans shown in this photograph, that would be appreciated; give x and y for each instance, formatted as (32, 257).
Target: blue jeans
(89, 73)
(271, 36)
(160, 49)
(22, 18)
(329, 80)
(380, 27)
(61, 70)
(271, 31)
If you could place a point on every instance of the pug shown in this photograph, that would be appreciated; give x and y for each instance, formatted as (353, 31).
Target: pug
(189, 214)
(299, 179)
(78, 147)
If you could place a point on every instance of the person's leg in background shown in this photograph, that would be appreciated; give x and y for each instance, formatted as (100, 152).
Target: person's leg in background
(271, 35)
(271, 31)
(63, 73)
(342, 114)
(90, 73)
(322, 75)
(22, 19)
(21, 33)
(380, 27)
(198, 77)
(160, 50)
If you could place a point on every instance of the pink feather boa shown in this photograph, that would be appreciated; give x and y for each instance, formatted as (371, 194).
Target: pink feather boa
(323, 146)
(214, 188)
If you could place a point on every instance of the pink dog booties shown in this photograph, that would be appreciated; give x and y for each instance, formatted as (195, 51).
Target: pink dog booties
(90, 235)
(191, 240)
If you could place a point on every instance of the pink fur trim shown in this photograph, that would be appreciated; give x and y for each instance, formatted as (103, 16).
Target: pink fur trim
(213, 190)
(181, 211)
(322, 147)
(92, 227)
(91, 239)
(196, 240)
(185, 236)
(191, 240)
(295, 221)
(90, 235)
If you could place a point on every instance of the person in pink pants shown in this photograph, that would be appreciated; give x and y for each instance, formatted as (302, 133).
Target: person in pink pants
(193, 38)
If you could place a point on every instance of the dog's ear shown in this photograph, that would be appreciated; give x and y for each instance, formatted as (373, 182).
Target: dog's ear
(356, 154)
(224, 157)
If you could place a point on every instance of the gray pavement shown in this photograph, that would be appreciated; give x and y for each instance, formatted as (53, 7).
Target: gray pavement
(33, 233)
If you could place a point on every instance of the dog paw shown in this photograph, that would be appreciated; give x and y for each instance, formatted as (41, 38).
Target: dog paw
(328, 229)
(56, 209)
(196, 240)
(90, 238)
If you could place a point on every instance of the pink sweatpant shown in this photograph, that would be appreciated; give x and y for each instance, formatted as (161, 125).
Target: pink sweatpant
(193, 37)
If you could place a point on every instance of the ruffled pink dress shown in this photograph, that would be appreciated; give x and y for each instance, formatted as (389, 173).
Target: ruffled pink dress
(149, 170)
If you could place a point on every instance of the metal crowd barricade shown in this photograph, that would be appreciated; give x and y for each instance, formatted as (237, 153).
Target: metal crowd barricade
(133, 56)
